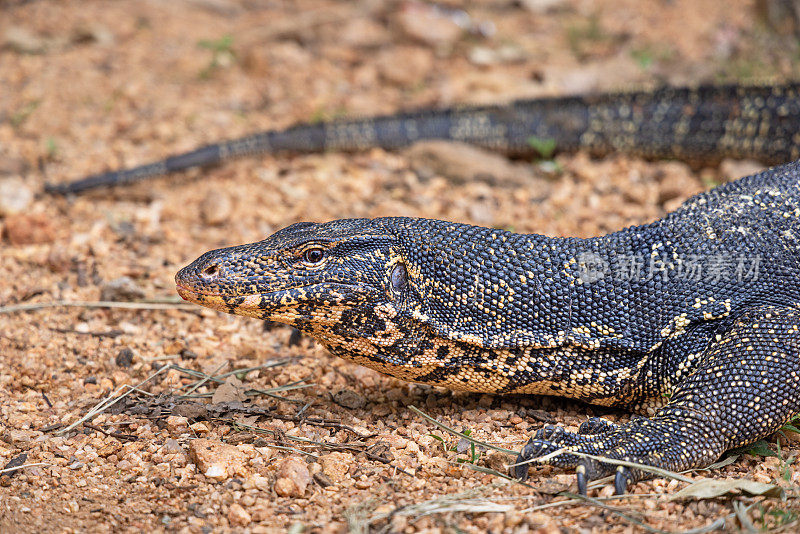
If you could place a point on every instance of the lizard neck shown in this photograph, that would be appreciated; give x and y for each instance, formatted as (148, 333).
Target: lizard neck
(496, 289)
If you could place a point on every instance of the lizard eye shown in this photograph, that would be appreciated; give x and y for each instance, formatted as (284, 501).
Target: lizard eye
(314, 255)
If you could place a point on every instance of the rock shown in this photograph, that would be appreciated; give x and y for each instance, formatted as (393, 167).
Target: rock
(8, 469)
(226, 8)
(484, 56)
(217, 460)
(200, 427)
(60, 260)
(177, 422)
(676, 183)
(428, 25)
(92, 33)
(171, 446)
(404, 65)
(20, 437)
(215, 208)
(11, 166)
(124, 357)
(23, 41)
(29, 229)
(542, 6)
(15, 196)
(498, 461)
(461, 162)
(348, 398)
(293, 477)
(336, 465)
(121, 289)
(238, 515)
(363, 32)
(792, 436)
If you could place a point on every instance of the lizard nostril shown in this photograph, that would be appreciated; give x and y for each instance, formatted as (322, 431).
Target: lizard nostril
(210, 272)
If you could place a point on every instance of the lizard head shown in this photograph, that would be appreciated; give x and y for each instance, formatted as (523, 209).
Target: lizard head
(329, 279)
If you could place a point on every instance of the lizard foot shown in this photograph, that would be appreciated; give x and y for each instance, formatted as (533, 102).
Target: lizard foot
(745, 387)
(634, 442)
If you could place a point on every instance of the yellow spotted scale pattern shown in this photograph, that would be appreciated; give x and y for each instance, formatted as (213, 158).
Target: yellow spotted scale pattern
(701, 125)
(701, 337)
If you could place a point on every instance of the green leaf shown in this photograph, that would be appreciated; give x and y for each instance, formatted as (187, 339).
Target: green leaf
(223, 44)
(759, 448)
(544, 146)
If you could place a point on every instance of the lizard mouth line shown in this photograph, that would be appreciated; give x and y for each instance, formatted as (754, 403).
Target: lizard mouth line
(190, 293)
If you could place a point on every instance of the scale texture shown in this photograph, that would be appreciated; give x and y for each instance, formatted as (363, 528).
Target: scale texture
(701, 125)
(692, 321)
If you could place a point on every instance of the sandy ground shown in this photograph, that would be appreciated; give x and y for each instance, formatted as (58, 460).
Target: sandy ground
(93, 85)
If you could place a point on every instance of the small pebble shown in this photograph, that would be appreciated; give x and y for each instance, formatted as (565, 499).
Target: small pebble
(215, 208)
(404, 66)
(121, 289)
(23, 40)
(293, 477)
(15, 196)
(124, 357)
(348, 398)
(238, 515)
(29, 229)
(217, 460)
(336, 465)
(428, 25)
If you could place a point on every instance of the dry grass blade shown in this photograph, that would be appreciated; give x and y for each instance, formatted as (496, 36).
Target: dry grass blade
(152, 304)
(741, 514)
(23, 466)
(642, 467)
(203, 380)
(728, 460)
(461, 435)
(465, 501)
(292, 449)
(112, 399)
(489, 471)
(220, 379)
(646, 468)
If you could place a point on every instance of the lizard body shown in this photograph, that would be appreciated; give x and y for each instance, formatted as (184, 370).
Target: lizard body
(703, 336)
(701, 125)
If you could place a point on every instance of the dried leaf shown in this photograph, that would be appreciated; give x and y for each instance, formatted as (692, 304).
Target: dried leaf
(231, 391)
(709, 488)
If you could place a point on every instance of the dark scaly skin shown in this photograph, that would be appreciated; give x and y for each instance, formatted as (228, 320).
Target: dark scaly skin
(711, 358)
(701, 125)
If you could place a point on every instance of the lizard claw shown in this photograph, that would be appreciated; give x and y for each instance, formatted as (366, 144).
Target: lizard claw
(621, 478)
(580, 473)
(520, 471)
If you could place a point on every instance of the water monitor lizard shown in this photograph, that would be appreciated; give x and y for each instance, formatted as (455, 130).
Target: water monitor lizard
(701, 125)
(692, 320)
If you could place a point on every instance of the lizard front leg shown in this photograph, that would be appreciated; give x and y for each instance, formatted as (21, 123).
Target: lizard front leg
(746, 387)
